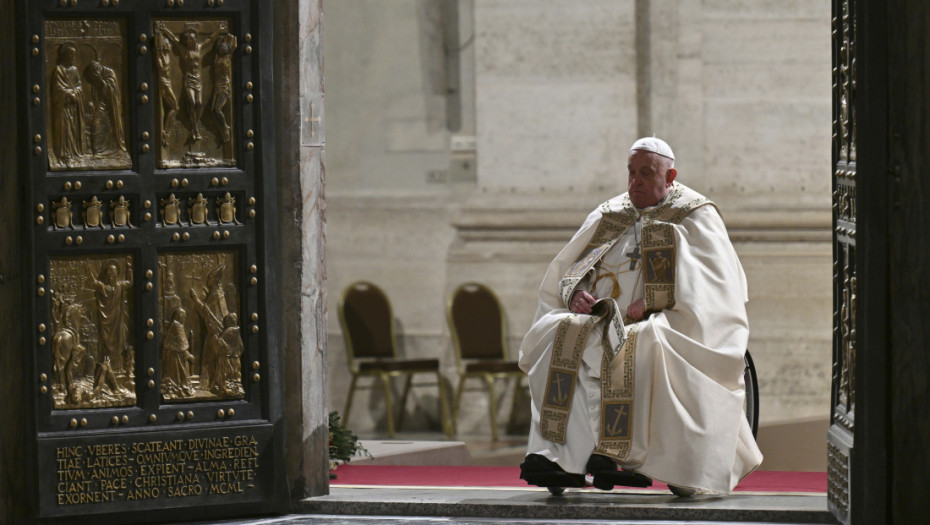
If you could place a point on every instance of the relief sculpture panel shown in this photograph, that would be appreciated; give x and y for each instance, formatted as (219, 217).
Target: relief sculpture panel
(92, 334)
(194, 67)
(845, 360)
(87, 110)
(201, 344)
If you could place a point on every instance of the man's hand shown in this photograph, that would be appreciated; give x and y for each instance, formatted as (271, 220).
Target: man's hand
(582, 302)
(637, 310)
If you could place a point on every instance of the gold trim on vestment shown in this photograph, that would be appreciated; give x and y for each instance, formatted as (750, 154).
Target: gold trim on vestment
(567, 349)
(616, 435)
(659, 255)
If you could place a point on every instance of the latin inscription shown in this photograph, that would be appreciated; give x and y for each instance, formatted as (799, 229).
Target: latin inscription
(82, 28)
(147, 470)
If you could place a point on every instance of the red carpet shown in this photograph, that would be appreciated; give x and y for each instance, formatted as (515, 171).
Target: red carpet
(425, 476)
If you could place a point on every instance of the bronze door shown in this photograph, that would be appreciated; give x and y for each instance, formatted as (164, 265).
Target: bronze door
(150, 177)
(843, 391)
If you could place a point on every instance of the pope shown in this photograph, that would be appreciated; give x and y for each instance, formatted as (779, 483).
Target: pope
(635, 355)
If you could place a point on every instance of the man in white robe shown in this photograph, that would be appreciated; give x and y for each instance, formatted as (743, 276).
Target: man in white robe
(635, 356)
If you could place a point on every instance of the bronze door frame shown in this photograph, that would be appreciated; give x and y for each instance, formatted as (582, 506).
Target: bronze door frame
(83, 162)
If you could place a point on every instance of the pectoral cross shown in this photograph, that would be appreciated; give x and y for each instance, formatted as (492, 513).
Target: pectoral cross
(634, 257)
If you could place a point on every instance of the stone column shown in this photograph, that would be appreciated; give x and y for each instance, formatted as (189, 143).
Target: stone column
(299, 106)
(556, 109)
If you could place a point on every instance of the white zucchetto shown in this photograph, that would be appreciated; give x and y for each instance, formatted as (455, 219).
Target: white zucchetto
(657, 146)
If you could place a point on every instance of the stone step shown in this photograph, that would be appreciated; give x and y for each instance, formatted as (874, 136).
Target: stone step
(579, 504)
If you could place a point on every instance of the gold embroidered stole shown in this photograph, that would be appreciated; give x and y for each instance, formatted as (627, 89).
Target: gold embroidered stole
(619, 343)
(616, 436)
(567, 349)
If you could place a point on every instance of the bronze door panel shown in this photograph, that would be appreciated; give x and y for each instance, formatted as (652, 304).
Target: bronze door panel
(194, 68)
(92, 331)
(152, 314)
(86, 84)
(201, 341)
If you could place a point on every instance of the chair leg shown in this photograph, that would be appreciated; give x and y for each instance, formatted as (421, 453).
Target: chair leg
(513, 405)
(345, 413)
(492, 405)
(388, 403)
(448, 423)
(457, 402)
(403, 401)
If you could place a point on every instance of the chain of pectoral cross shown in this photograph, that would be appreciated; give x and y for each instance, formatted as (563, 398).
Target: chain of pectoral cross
(606, 271)
(634, 255)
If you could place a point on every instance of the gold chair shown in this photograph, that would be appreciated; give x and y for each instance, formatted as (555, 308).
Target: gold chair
(478, 327)
(368, 327)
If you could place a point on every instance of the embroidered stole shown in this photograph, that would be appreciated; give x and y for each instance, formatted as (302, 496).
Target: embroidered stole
(619, 342)
(567, 349)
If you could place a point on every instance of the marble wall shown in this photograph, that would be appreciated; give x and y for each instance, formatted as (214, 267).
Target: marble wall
(743, 90)
(389, 204)
(556, 94)
(740, 89)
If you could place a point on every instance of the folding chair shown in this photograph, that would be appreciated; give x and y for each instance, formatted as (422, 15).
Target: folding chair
(368, 327)
(478, 327)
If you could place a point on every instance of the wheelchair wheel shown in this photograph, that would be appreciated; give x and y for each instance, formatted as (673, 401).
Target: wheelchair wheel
(752, 394)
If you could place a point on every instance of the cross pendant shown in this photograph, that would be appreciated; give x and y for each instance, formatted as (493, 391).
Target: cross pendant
(634, 256)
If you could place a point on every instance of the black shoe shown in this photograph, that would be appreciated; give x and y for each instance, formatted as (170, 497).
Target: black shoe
(539, 471)
(606, 474)
(681, 492)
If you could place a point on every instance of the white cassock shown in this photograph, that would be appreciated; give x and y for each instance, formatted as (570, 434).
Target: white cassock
(671, 404)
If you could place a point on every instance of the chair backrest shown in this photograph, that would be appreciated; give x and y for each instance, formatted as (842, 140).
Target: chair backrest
(367, 322)
(476, 321)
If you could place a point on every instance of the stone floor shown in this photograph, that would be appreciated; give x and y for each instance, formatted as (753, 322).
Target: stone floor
(370, 506)
(398, 520)
(538, 504)
(355, 505)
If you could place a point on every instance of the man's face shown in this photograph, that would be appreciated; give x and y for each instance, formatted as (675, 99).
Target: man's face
(69, 57)
(649, 178)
